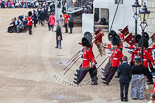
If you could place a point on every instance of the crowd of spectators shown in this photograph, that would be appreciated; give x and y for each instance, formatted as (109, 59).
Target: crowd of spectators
(27, 4)
(18, 24)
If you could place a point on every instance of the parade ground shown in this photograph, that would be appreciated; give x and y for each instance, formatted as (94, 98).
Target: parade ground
(32, 69)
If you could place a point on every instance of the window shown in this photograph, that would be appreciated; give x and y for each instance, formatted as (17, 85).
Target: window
(118, 1)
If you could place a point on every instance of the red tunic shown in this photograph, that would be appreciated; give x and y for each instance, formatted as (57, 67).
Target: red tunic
(66, 17)
(29, 21)
(88, 58)
(116, 57)
(146, 58)
(134, 54)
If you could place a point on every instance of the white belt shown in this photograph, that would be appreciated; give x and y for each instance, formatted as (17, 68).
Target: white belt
(144, 59)
(115, 58)
(84, 59)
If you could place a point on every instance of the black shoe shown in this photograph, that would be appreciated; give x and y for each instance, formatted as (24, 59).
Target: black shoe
(103, 72)
(77, 70)
(76, 75)
(103, 78)
(56, 47)
(94, 83)
(106, 83)
(116, 76)
(102, 69)
(126, 100)
(122, 100)
(75, 82)
(75, 79)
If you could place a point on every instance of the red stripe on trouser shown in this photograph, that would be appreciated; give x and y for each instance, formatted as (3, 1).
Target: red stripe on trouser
(109, 77)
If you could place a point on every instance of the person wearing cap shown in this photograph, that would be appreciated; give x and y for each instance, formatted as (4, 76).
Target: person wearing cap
(89, 63)
(116, 59)
(137, 81)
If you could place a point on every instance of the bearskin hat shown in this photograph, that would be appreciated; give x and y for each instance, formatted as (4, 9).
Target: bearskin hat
(146, 35)
(29, 13)
(115, 40)
(111, 34)
(137, 38)
(87, 39)
(146, 43)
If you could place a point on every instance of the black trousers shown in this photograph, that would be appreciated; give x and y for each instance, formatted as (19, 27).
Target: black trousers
(110, 74)
(71, 29)
(132, 64)
(107, 67)
(30, 30)
(66, 27)
(124, 86)
(82, 73)
(149, 75)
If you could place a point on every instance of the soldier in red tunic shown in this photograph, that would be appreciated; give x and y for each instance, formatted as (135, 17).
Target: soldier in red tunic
(116, 59)
(134, 50)
(89, 63)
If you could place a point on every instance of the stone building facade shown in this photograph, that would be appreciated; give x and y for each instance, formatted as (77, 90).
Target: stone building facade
(151, 21)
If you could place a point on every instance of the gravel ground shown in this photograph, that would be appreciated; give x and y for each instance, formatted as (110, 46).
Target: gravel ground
(31, 69)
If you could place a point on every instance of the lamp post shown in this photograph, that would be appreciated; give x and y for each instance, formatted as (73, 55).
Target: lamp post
(144, 15)
(136, 6)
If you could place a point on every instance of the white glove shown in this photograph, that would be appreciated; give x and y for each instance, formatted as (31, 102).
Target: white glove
(81, 50)
(78, 42)
(154, 66)
(125, 46)
(104, 44)
(109, 52)
(130, 50)
(80, 55)
(109, 55)
(96, 65)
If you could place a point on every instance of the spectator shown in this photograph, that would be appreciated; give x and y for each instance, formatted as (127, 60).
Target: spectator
(137, 81)
(58, 36)
(34, 18)
(21, 17)
(30, 22)
(11, 26)
(42, 17)
(124, 72)
(71, 23)
(61, 21)
(51, 21)
(20, 26)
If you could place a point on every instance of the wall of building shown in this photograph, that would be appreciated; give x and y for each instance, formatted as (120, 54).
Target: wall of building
(151, 21)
